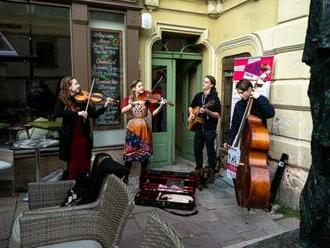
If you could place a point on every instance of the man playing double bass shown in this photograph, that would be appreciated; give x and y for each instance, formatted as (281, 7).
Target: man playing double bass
(260, 108)
(205, 132)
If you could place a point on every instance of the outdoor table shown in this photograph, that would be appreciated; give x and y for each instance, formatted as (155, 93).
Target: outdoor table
(35, 145)
(14, 129)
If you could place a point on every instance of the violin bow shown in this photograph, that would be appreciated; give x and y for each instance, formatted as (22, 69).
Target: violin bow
(161, 77)
(90, 94)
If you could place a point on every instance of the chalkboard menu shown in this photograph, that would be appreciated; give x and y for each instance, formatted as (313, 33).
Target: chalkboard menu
(106, 55)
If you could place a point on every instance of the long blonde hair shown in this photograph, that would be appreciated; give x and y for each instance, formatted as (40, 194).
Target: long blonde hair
(65, 95)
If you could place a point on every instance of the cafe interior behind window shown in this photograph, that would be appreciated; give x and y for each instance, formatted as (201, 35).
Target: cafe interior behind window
(35, 53)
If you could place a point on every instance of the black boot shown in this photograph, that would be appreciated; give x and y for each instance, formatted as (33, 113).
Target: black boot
(128, 166)
(211, 176)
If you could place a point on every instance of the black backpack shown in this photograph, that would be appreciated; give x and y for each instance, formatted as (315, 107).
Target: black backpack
(87, 187)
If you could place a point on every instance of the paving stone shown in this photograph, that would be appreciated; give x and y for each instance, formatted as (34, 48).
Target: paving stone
(289, 223)
(132, 241)
(220, 233)
(140, 219)
(132, 235)
(231, 242)
(271, 228)
(229, 202)
(207, 200)
(252, 234)
(203, 240)
(285, 240)
(131, 228)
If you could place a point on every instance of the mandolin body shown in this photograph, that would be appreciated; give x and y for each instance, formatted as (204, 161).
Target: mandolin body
(198, 120)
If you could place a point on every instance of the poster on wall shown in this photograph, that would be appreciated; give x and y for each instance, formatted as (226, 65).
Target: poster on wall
(258, 70)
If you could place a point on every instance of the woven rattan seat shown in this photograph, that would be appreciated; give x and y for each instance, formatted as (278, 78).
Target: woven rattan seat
(158, 234)
(102, 220)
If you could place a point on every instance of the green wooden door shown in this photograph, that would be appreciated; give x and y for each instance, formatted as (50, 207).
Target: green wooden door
(163, 131)
(192, 79)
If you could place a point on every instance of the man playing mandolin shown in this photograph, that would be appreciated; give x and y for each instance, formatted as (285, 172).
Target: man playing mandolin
(208, 104)
(260, 108)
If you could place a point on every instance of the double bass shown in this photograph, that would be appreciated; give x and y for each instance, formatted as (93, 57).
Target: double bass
(252, 183)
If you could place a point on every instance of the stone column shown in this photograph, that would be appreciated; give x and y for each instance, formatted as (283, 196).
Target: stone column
(79, 40)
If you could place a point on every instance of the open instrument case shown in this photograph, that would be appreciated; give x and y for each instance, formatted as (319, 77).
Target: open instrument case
(167, 189)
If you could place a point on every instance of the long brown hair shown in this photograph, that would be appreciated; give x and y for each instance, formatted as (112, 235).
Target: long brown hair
(64, 94)
(132, 93)
(213, 82)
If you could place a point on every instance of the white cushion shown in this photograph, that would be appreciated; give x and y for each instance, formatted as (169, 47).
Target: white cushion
(75, 244)
(16, 237)
(4, 165)
(15, 231)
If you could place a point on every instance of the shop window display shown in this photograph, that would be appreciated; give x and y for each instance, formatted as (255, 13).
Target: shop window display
(34, 55)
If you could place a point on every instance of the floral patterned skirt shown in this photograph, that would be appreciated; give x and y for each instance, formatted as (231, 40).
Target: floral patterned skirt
(138, 141)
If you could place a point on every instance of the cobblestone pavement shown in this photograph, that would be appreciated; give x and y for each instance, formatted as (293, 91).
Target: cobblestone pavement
(219, 222)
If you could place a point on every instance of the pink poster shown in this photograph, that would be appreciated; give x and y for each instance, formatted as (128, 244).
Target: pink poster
(259, 71)
(256, 69)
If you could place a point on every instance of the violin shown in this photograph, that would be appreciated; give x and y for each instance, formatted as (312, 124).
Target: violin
(152, 97)
(95, 98)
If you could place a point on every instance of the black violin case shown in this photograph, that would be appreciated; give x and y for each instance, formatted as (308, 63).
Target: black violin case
(167, 189)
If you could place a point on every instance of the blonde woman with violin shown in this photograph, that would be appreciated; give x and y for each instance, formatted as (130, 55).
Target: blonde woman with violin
(138, 141)
(75, 140)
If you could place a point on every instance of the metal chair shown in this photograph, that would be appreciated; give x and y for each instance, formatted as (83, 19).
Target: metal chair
(158, 234)
(7, 167)
(97, 224)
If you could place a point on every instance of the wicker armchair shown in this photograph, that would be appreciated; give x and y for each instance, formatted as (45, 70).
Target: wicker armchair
(101, 221)
(7, 167)
(158, 234)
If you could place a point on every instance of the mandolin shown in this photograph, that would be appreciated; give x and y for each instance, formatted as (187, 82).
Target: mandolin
(198, 120)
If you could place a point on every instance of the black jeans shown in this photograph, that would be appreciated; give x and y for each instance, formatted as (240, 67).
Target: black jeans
(202, 138)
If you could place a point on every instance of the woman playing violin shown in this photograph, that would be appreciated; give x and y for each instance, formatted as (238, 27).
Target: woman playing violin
(138, 141)
(75, 140)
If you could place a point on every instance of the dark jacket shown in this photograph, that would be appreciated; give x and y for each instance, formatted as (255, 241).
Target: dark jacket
(69, 117)
(210, 123)
(260, 108)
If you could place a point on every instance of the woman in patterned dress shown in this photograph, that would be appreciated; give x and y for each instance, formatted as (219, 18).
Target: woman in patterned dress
(138, 141)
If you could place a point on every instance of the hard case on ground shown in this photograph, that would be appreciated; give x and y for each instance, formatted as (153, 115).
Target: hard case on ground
(167, 189)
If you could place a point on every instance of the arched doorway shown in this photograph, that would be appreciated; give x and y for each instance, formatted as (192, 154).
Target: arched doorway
(176, 73)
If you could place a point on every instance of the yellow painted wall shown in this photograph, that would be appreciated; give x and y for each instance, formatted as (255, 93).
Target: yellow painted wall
(239, 17)
(246, 17)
